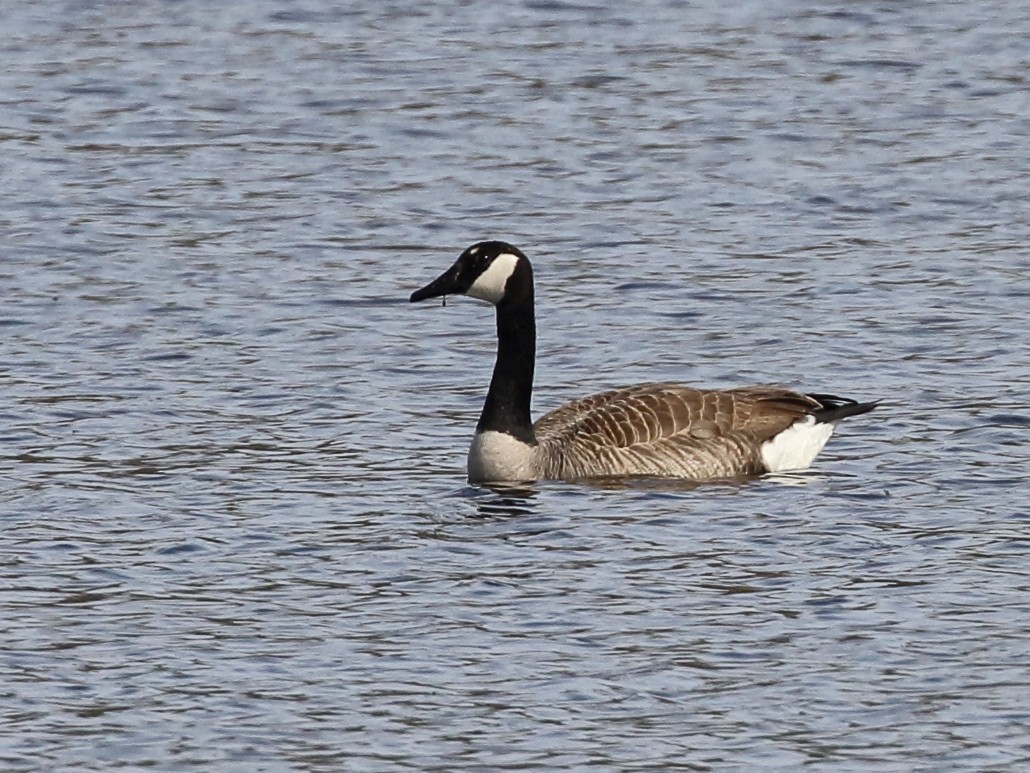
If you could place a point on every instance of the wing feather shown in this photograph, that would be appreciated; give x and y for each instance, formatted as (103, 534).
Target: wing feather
(668, 429)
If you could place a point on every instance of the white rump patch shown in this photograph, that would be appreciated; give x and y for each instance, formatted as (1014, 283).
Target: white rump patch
(797, 446)
(497, 456)
(489, 286)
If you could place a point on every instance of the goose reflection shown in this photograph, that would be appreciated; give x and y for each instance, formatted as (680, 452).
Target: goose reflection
(503, 500)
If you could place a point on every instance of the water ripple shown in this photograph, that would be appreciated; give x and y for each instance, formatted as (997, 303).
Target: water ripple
(237, 533)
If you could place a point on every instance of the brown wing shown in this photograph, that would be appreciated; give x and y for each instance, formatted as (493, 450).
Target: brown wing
(662, 429)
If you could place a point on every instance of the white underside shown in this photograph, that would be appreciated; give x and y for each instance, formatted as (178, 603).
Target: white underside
(797, 446)
(497, 456)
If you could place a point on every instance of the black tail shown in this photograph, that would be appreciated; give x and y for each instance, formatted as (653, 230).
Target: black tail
(832, 408)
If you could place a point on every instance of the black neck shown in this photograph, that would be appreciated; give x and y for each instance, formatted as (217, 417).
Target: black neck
(511, 388)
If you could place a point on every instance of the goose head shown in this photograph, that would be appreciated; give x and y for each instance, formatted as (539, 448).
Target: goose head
(492, 271)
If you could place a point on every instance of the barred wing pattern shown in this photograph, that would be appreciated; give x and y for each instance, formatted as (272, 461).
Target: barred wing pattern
(667, 429)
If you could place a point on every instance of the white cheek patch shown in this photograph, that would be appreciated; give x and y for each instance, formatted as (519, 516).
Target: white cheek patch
(489, 286)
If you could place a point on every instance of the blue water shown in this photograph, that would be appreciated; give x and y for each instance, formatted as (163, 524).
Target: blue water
(236, 533)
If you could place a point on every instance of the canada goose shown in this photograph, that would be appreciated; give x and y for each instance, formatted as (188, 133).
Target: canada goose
(649, 429)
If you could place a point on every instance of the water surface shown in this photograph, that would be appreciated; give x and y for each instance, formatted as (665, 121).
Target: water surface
(236, 530)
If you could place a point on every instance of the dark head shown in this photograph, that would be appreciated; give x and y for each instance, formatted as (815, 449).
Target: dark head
(492, 271)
